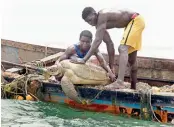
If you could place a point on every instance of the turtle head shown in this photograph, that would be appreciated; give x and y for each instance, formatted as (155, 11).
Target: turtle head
(56, 69)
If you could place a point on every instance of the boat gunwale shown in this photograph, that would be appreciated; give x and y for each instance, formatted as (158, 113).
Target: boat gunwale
(151, 63)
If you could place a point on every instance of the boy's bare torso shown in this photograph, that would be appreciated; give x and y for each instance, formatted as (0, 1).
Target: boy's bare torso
(115, 18)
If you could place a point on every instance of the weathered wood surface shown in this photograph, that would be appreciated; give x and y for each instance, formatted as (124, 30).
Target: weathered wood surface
(154, 68)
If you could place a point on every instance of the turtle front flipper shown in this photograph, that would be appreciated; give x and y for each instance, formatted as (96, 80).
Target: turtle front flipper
(68, 89)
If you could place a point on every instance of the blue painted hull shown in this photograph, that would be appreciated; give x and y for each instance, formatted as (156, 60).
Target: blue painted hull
(117, 102)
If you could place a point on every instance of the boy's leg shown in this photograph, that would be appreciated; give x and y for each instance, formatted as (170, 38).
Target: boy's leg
(123, 60)
(133, 69)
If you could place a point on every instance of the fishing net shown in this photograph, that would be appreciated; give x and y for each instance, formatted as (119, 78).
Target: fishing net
(23, 85)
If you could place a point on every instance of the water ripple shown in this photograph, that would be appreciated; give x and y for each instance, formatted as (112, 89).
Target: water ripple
(40, 114)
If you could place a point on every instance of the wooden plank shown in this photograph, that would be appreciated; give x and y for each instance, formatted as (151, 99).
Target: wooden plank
(51, 58)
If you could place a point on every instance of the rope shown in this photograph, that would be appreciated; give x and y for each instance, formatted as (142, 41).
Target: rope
(150, 93)
(88, 101)
(2, 93)
(26, 70)
(16, 87)
(26, 83)
(96, 95)
(14, 84)
(3, 67)
(33, 96)
(14, 92)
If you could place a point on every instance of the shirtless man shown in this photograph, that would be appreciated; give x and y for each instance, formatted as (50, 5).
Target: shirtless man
(79, 50)
(133, 25)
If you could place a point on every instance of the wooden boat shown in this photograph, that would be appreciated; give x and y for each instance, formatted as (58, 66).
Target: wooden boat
(154, 71)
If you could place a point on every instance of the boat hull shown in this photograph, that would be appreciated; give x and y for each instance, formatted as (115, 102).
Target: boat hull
(116, 102)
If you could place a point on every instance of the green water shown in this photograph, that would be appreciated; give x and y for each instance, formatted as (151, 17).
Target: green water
(39, 114)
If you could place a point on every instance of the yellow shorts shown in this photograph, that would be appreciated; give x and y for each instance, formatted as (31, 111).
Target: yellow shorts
(133, 34)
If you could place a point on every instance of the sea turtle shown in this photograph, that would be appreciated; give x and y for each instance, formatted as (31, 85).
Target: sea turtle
(73, 74)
